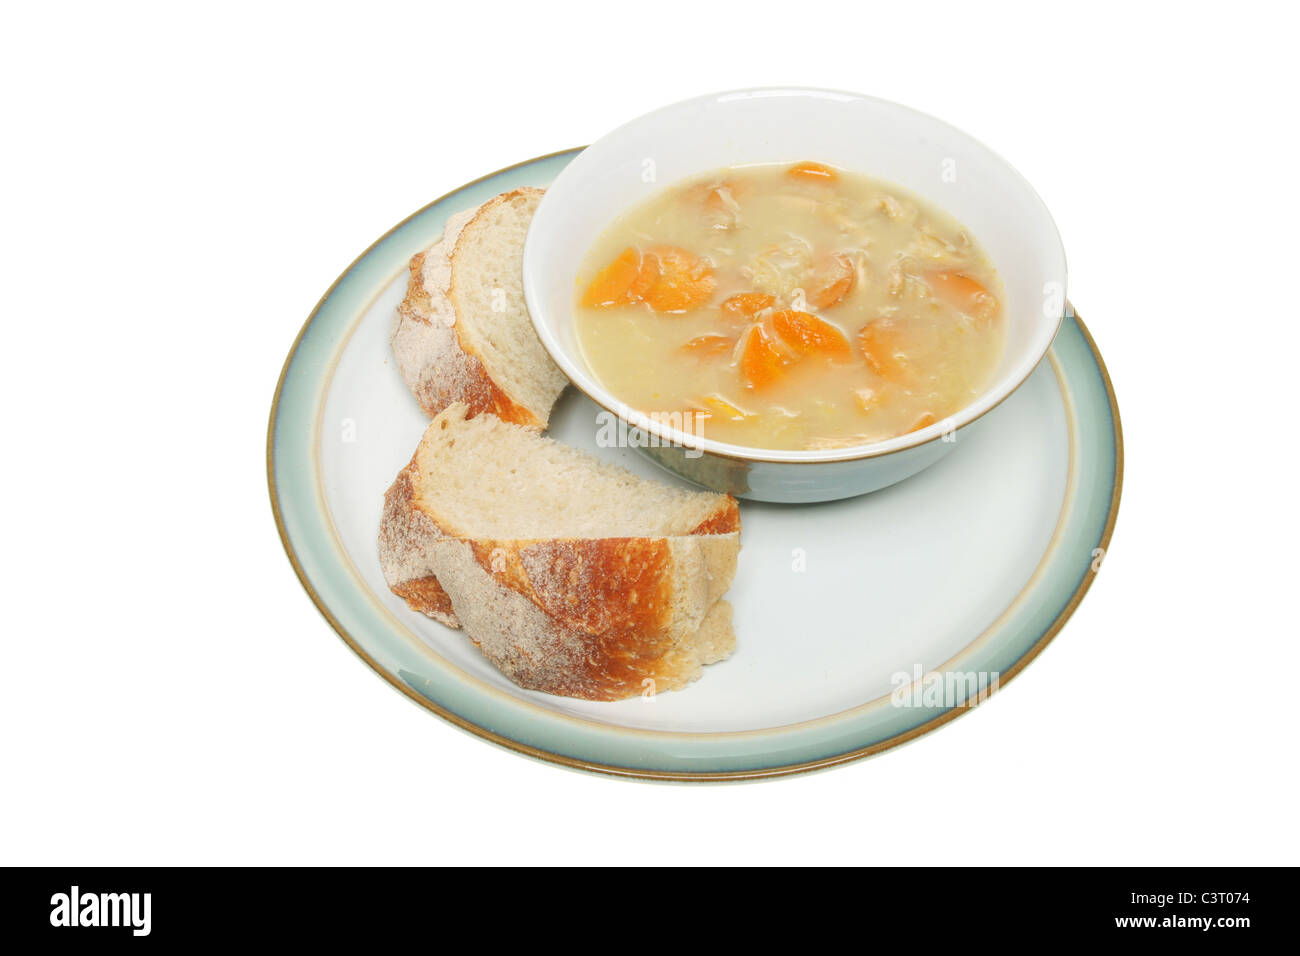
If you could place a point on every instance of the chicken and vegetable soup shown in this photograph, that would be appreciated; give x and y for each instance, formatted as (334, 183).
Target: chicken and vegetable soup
(791, 307)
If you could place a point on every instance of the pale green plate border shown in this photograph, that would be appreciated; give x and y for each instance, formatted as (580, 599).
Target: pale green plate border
(1051, 594)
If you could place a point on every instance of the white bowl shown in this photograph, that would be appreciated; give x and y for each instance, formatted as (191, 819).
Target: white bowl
(885, 140)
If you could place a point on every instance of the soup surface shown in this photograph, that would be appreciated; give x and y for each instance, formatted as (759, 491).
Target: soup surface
(790, 307)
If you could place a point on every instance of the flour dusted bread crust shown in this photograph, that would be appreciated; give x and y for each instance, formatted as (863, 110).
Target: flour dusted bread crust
(462, 333)
(572, 576)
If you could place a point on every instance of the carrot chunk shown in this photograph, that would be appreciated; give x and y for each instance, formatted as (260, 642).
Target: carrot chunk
(963, 293)
(645, 277)
(927, 418)
(724, 408)
(609, 288)
(709, 346)
(805, 333)
(832, 280)
(684, 281)
(746, 305)
(761, 362)
(812, 172)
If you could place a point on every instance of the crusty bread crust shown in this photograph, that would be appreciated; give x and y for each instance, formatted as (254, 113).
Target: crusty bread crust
(438, 363)
(593, 618)
(629, 638)
(406, 536)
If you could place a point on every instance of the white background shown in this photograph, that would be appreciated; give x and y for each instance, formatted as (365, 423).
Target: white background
(179, 188)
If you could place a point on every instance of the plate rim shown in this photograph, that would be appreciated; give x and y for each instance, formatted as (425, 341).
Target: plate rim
(617, 770)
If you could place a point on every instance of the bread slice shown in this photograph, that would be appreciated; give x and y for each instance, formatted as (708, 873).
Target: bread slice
(462, 334)
(572, 576)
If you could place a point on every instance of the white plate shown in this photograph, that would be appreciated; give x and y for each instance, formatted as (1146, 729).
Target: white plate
(969, 567)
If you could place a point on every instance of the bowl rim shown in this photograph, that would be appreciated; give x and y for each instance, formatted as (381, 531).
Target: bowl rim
(990, 399)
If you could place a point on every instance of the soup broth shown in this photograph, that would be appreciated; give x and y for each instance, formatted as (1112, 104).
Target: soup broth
(790, 307)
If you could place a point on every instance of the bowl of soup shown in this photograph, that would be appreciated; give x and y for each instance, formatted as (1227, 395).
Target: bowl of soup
(793, 295)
